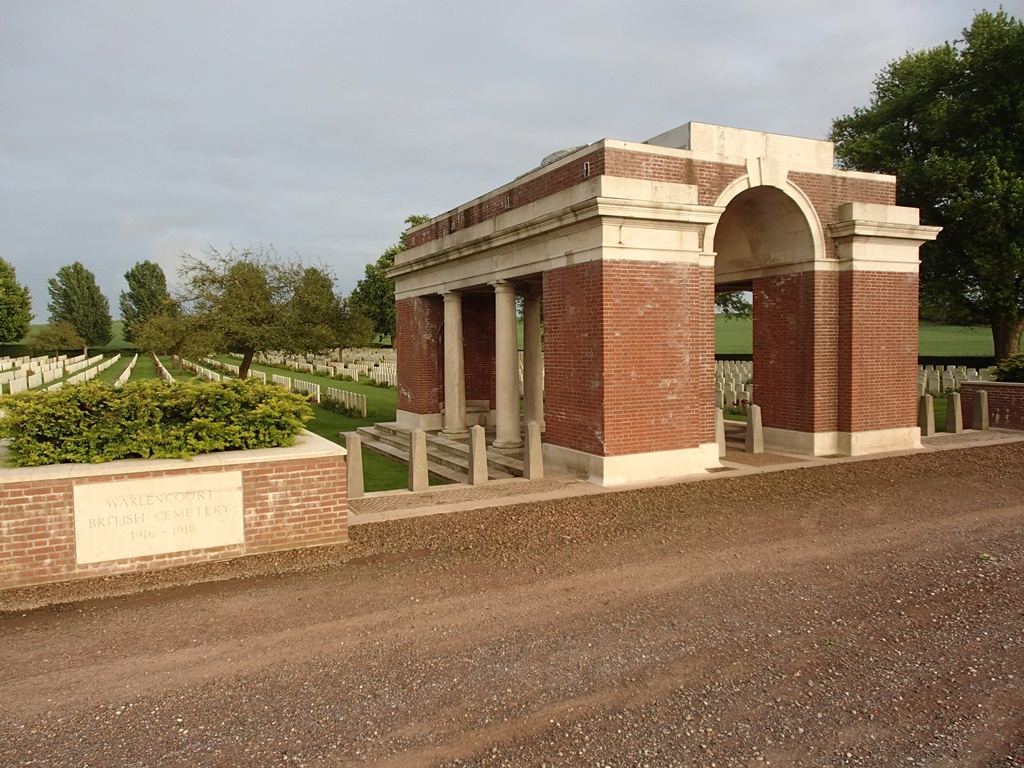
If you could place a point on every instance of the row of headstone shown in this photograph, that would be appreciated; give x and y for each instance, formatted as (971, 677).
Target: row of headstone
(938, 379)
(98, 365)
(127, 372)
(378, 376)
(22, 373)
(734, 384)
(308, 387)
(162, 372)
(202, 372)
(353, 400)
(234, 370)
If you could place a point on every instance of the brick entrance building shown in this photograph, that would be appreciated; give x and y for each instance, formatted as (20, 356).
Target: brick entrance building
(626, 244)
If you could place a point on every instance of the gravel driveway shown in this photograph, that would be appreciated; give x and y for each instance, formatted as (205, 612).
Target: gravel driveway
(869, 613)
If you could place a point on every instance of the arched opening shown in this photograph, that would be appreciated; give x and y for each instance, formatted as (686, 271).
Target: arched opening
(763, 242)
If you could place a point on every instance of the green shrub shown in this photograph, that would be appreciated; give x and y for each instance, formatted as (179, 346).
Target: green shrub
(1011, 369)
(95, 422)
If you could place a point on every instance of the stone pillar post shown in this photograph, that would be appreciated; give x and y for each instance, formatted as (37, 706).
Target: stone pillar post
(533, 362)
(506, 367)
(354, 461)
(454, 369)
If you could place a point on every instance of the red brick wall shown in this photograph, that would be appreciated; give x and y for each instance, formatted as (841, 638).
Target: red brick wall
(629, 357)
(795, 345)
(877, 351)
(288, 504)
(711, 178)
(827, 193)
(574, 357)
(420, 355)
(478, 351)
(1005, 403)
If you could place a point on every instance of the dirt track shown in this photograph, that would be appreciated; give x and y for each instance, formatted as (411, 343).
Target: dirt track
(869, 613)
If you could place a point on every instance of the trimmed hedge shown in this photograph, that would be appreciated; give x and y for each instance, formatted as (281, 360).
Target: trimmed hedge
(1011, 369)
(95, 422)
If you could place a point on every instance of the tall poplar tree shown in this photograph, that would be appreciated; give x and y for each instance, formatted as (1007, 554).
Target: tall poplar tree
(146, 296)
(76, 298)
(15, 306)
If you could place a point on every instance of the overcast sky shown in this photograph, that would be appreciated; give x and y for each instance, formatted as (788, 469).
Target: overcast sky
(142, 129)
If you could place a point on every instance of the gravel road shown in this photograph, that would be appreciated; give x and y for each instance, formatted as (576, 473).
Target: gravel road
(868, 613)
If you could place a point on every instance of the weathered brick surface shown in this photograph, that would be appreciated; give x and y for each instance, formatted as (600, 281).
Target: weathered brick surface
(420, 353)
(711, 178)
(287, 504)
(629, 355)
(795, 342)
(828, 192)
(877, 350)
(1005, 403)
(478, 348)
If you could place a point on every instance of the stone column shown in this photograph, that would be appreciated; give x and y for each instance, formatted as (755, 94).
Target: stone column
(506, 367)
(454, 369)
(533, 362)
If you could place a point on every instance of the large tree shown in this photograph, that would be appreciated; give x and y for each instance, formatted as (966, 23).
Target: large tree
(15, 306)
(146, 296)
(174, 333)
(54, 339)
(949, 122)
(253, 301)
(375, 293)
(76, 298)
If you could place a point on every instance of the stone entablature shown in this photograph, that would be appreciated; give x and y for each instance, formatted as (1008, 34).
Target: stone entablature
(828, 256)
(71, 521)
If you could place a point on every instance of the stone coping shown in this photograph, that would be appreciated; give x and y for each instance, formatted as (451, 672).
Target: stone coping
(307, 446)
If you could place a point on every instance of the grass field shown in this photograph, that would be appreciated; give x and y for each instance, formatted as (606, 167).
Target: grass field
(735, 336)
(732, 337)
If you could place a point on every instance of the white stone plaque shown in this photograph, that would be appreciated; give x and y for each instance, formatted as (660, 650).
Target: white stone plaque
(154, 516)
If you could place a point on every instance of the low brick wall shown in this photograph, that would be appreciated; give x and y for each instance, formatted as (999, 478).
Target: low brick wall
(1005, 403)
(72, 521)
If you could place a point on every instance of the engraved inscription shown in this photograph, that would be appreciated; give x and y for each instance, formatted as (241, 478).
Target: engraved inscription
(152, 516)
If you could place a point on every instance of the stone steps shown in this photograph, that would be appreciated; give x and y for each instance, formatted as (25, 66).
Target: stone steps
(446, 459)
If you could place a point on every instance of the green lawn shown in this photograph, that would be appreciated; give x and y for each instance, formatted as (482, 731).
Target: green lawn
(735, 336)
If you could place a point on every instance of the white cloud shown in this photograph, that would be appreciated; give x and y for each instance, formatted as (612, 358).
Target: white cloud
(141, 130)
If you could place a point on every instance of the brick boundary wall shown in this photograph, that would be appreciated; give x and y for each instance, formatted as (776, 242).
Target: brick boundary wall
(1005, 403)
(292, 497)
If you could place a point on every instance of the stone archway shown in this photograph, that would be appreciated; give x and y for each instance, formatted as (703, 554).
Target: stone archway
(766, 243)
(628, 241)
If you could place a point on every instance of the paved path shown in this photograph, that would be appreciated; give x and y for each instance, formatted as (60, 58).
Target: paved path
(394, 505)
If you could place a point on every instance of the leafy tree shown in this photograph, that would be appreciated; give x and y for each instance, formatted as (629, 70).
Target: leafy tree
(375, 293)
(55, 338)
(949, 122)
(355, 329)
(76, 299)
(173, 333)
(734, 304)
(146, 296)
(325, 319)
(15, 306)
(252, 301)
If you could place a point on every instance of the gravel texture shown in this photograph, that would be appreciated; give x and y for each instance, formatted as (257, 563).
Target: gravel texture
(869, 613)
